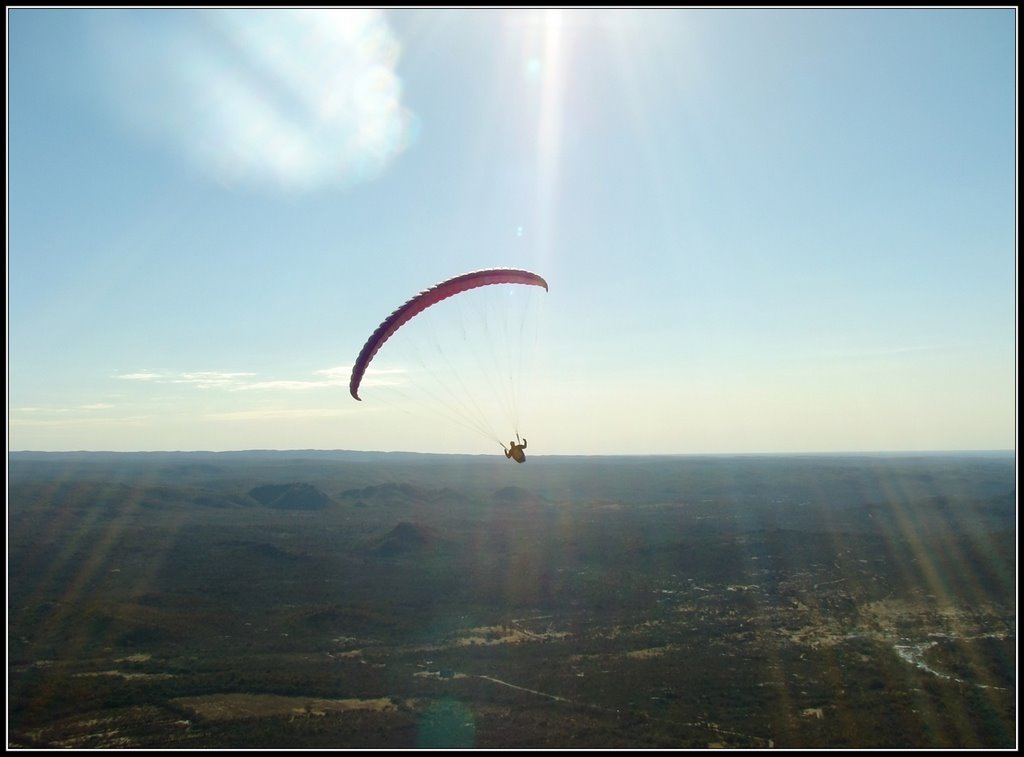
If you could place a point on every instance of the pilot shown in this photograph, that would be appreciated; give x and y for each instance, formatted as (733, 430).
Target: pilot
(516, 450)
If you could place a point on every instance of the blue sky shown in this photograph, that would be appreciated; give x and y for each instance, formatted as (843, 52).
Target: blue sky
(763, 230)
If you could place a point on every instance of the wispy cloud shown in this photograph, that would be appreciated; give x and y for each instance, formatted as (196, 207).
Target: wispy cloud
(68, 417)
(212, 379)
(91, 407)
(385, 377)
(240, 381)
(291, 98)
(258, 414)
(286, 385)
(327, 377)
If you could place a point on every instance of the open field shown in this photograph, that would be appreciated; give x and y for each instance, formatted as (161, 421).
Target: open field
(352, 600)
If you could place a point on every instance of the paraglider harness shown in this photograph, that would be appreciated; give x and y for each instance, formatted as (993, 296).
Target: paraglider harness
(516, 451)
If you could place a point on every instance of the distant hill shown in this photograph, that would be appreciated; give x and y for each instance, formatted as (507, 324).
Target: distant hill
(291, 497)
(405, 538)
(116, 496)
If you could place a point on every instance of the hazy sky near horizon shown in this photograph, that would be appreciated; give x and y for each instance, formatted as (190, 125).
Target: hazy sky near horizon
(763, 230)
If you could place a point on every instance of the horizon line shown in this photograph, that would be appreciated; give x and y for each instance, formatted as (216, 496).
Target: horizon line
(307, 450)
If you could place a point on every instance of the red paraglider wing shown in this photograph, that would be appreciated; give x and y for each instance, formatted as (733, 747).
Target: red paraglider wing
(424, 300)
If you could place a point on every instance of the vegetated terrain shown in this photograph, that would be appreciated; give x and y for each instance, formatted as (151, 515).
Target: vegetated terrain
(332, 599)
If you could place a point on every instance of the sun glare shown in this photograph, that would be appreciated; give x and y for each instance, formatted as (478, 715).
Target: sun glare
(291, 98)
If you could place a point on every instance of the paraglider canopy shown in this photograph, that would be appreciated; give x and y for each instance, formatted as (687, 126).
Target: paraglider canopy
(428, 298)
